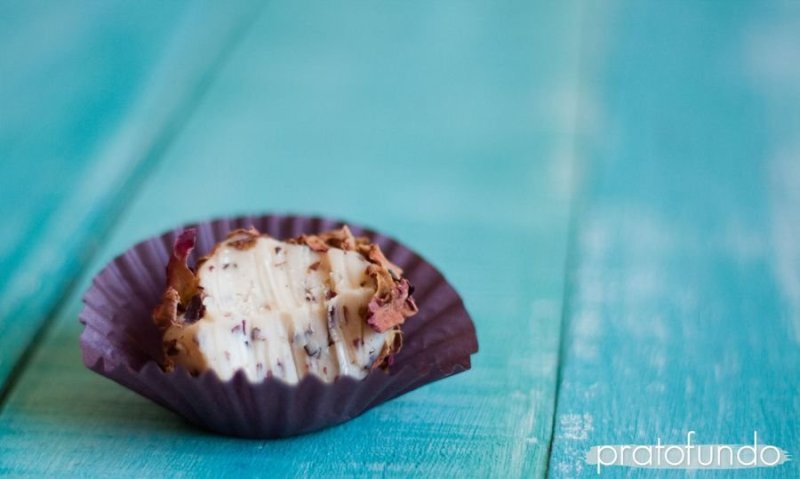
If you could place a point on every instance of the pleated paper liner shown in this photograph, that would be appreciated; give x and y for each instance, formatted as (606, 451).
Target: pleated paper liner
(121, 342)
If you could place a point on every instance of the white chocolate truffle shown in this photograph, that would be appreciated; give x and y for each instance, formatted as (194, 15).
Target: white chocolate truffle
(281, 309)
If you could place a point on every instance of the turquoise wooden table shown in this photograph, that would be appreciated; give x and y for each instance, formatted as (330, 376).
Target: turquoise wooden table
(613, 187)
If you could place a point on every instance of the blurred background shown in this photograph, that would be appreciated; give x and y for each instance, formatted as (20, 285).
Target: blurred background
(613, 187)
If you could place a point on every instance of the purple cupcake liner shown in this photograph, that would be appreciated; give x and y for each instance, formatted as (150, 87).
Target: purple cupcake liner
(120, 340)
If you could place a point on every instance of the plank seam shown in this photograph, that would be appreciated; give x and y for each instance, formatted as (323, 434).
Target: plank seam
(574, 215)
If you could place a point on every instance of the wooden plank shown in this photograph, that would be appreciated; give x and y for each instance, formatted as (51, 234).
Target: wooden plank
(448, 126)
(683, 305)
(90, 93)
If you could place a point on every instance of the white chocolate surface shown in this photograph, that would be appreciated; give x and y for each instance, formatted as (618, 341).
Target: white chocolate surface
(270, 310)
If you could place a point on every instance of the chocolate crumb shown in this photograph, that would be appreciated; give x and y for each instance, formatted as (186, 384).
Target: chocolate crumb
(331, 317)
(330, 294)
(313, 351)
(255, 335)
(243, 239)
(314, 242)
(385, 312)
(314, 266)
(242, 244)
(331, 325)
(240, 328)
(194, 310)
(172, 347)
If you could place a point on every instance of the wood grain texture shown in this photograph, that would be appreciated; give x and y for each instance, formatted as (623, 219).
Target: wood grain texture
(448, 126)
(683, 305)
(90, 94)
